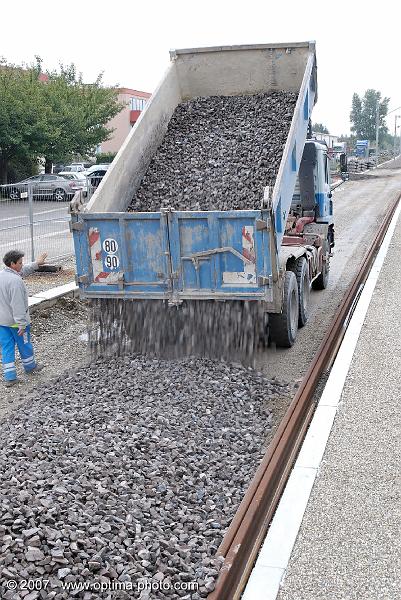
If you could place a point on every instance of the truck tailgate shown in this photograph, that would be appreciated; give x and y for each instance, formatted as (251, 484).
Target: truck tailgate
(174, 255)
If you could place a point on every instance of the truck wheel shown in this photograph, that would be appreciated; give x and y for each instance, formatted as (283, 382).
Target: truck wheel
(321, 282)
(301, 272)
(283, 327)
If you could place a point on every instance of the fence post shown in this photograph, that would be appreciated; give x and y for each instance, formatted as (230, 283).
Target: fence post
(30, 207)
(88, 188)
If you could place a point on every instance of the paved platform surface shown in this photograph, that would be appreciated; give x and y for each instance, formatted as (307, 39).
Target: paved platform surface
(348, 547)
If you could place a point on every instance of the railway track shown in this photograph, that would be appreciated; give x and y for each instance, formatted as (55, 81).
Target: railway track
(246, 533)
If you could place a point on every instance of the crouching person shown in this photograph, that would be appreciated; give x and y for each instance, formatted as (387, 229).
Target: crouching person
(14, 315)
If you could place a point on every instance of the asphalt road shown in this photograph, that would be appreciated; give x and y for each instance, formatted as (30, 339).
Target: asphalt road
(50, 228)
(359, 208)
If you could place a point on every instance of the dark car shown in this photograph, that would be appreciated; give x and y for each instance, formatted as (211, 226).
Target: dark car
(48, 186)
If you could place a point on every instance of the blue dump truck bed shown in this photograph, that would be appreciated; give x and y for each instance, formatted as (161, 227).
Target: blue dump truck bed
(177, 255)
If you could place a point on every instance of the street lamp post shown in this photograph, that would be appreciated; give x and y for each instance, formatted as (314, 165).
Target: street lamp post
(400, 141)
(395, 132)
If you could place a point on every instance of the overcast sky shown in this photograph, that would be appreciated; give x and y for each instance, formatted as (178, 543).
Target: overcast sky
(358, 42)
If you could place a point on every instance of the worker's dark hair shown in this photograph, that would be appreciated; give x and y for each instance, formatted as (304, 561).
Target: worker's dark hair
(12, 257)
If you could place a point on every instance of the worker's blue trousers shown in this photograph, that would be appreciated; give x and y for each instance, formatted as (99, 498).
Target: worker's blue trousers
(9, 338)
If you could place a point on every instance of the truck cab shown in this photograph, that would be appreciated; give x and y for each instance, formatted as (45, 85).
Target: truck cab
(312, 189)
(307, 244)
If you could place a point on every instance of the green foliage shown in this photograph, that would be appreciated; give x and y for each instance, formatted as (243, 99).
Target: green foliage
(55, 119)
(363, 115)
(356, 116)
(21, 121)
(77, 113)
(22, 168)
(319, 128)
(103, 158)
(387, 142)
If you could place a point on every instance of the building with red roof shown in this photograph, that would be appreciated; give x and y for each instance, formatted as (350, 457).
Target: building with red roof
(134, 102)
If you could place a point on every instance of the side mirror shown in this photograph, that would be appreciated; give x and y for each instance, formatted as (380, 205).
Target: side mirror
(329, 195)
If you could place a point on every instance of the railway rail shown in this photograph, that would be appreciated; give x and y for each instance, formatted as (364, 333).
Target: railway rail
(246, 533)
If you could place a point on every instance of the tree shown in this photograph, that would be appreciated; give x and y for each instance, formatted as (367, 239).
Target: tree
(363, 115)
(54, 115)
(76, 114)
(105, 157)
(21, 119)
(320, 128)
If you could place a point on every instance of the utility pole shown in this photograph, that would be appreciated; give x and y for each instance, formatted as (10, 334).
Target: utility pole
(400, 141)
(377, 132)
(395, 134)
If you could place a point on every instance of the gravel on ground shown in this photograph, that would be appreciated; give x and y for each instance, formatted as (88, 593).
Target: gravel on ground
(130, 468)
(40, 282)
(56, 339)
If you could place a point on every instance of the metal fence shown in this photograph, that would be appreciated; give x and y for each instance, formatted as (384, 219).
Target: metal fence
(34, 216)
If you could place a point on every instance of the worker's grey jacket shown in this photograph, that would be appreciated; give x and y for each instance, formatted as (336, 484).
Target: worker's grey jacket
(14, 296)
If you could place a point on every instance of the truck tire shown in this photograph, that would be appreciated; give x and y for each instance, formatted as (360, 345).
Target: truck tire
(283, 327)
(301, 272)
(321, 282)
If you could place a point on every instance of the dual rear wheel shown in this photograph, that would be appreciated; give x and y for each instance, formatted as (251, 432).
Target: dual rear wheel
(297, 288)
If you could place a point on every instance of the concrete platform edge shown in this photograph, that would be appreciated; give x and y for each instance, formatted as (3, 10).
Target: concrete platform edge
(280, 539)
(50, 297)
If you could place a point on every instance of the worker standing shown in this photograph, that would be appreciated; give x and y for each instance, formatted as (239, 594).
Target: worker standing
(14, 315)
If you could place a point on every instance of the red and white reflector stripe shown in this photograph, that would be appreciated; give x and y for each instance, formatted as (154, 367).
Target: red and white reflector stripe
(99, 275)
(248, 275)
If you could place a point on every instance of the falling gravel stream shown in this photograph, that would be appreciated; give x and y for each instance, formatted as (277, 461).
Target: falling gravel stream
(231, 331)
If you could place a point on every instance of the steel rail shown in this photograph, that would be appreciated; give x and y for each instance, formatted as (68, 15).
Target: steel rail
(247, 530)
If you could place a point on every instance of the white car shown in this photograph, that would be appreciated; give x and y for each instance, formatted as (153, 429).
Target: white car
(95, 175)
(79, 177)
(97, 168)
(74, 168)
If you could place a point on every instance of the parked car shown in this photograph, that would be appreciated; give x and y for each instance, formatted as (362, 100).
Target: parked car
(95, 175)
(78, 177)
(48, 186)
(71, 168)
(74, 168)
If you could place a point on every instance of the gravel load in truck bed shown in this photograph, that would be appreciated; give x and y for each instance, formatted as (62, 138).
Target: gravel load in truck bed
(129, 469)
(219, 153)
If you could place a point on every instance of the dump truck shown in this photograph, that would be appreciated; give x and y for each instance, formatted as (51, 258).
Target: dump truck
(273, 254)
(362, 148)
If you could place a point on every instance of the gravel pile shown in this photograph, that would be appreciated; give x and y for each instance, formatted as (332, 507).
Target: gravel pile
(218, 153)
(131, 468)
